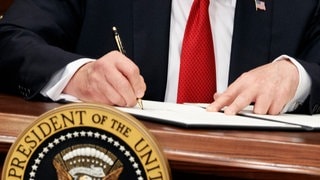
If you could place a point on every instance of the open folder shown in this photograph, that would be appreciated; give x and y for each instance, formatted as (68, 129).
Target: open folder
(195, 115)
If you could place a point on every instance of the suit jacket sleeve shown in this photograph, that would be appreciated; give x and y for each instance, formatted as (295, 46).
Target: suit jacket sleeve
(29, 53)
(285, 27)
(310, 60)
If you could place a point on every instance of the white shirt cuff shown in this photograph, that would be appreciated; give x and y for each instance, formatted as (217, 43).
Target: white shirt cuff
(60, 79)
(303, 89)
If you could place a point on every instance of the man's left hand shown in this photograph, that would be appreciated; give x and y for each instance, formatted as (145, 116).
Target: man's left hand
(270, 87)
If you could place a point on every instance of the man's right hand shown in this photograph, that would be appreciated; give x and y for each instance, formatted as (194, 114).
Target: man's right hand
(113, 80)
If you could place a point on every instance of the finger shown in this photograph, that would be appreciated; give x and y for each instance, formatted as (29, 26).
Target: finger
(122, 86)
(242, 92)
(275, 108)
(98, 88)
(240, 102)
(262, 104)
(278, 103)
(112, 94)
(220, 101)
(140, 88)
(132, 73)
(216, 95)
(224, 99)
(115, 69)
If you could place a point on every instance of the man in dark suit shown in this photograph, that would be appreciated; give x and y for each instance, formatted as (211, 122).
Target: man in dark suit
(39, 38)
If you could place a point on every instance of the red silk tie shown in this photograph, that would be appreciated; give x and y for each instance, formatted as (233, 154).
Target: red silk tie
(197, 82)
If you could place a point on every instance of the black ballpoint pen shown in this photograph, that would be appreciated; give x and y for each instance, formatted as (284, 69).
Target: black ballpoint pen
(121, 49)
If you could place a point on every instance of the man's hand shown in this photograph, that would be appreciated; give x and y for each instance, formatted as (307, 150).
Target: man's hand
(113, 79)
(270, 87)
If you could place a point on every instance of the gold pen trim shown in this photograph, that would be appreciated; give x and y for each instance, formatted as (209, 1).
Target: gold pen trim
(118, 40)
(121, 49)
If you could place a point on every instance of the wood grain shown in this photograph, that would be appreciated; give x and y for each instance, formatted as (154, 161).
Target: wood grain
(204, 153)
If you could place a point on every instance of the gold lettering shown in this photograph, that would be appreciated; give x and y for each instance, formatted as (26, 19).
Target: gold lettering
(35, 134)
(13, 173)
(153, 168)
(23, 151)
(138, 143)
(33, 143)
(54, 123)
(97, 119)
(157, 177)
(17, 163)
(81, 113)
(146, 154)
(122, 128)
(45, 129)
(65, 119)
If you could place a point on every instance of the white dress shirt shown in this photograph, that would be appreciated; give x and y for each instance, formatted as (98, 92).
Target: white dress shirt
(221, 19)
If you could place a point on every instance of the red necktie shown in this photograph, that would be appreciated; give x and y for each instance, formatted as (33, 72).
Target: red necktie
(197, 65)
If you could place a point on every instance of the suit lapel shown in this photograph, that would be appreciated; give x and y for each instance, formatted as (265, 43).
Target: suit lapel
(251, 37)
(151, 25)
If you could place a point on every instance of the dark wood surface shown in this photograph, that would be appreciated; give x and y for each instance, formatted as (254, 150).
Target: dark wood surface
(4, 5)
(200, 153)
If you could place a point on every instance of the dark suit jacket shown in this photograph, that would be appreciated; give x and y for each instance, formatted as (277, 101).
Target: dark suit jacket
(39, 37)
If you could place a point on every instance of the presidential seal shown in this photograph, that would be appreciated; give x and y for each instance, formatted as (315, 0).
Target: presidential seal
(84, 141)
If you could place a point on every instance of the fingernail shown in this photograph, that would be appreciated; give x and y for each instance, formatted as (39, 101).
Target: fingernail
(211, 108)
(228, 111)
(140, 94)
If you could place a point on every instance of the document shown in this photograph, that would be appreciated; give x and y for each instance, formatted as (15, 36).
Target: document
(195, 115)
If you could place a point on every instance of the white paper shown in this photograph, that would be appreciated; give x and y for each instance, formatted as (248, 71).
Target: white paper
(190, 115)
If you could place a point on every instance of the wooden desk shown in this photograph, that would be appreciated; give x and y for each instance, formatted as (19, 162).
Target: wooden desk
(4, 5)
(201, 153)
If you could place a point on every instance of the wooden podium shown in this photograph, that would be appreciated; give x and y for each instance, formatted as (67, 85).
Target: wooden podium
(200, 153)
